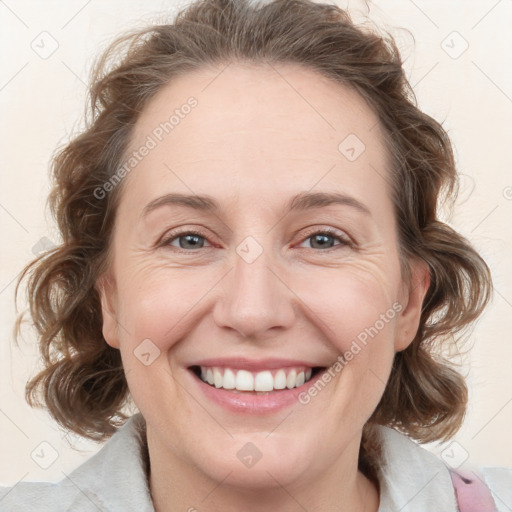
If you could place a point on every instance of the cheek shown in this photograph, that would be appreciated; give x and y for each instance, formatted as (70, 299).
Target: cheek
(351, 303)
(156, 310)
(158, 303)
(357, 313)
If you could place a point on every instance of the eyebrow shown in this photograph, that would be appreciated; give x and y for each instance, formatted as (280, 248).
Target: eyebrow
(300, 202)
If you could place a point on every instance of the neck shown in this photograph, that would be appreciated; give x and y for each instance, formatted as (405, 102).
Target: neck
(177, 486)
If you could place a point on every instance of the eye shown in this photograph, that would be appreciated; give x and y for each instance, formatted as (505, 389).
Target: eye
(324, 239)
(186, 240)
(192, 240)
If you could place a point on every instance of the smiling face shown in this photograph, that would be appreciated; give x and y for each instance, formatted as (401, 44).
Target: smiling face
(293, 266)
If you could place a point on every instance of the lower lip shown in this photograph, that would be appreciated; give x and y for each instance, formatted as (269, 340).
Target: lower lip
(251, 403)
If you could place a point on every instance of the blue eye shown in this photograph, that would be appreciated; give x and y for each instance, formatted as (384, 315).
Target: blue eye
(325, 239)
(192, 241)
(186, 240)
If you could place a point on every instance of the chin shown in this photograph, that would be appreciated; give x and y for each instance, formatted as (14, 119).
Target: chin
(253, 462)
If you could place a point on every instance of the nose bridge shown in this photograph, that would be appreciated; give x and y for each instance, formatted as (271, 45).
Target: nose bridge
(254, 298)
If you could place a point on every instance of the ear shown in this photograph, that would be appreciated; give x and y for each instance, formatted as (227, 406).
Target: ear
(412, 301)
(106, 288)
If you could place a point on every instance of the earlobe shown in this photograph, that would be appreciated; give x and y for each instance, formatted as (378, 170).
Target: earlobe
(409, 319)
(105, 286)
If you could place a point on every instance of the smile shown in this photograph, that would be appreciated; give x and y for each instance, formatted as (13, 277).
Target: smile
(263, 381)
(254, 387)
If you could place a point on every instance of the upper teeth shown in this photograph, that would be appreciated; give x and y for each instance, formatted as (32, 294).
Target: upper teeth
(243, 380)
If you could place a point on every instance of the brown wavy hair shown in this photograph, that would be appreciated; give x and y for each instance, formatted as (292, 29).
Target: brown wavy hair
(83, 384)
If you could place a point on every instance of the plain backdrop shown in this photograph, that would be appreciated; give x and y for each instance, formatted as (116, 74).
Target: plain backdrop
(457, 56)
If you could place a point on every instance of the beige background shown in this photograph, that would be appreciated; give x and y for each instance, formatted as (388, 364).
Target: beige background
(42, 101)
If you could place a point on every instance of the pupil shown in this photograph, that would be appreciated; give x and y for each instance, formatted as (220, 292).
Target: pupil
(188, 238)
(323, 239)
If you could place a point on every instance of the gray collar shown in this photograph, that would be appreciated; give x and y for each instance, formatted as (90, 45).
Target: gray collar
(412, 478)
(114, 480)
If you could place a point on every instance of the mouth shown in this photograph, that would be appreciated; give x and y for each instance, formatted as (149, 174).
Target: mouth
(247, 381)
(254, 387)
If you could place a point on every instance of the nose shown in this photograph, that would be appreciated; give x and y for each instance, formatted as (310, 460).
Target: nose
(255, 299)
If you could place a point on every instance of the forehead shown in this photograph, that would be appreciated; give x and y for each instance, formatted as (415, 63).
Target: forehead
(258, 126)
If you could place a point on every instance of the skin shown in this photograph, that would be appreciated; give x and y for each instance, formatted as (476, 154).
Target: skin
(258, 136)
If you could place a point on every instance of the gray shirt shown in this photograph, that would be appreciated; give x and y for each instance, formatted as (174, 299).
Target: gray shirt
(113, 480)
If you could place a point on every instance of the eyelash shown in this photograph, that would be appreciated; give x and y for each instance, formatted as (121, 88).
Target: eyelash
(344, 241)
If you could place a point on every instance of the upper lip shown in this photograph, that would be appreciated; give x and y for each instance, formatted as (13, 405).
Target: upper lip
(240, 363)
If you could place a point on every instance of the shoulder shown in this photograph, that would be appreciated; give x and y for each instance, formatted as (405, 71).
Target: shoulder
(414, 479)
(100, 483)
(36, 496)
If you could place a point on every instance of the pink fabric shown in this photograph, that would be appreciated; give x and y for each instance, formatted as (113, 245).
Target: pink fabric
(471, 492)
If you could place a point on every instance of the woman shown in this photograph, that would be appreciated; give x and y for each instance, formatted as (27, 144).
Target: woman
(251, 250)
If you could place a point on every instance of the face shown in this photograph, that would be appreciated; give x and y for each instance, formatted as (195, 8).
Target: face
(266, 283)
